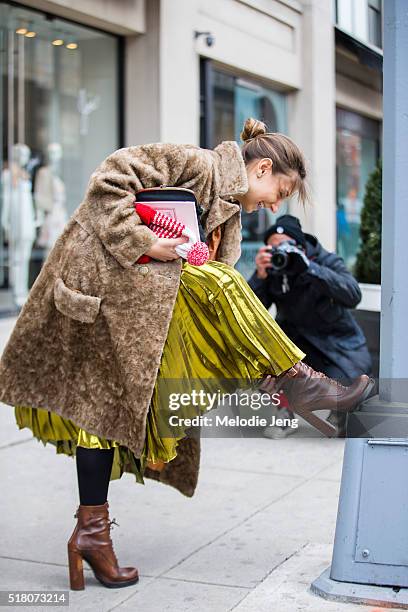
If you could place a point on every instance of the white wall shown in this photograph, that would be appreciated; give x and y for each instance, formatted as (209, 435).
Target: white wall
(142, 81)
(256, 37)
(261, 38)
(123, 17)
(179, 73)
(312, 117)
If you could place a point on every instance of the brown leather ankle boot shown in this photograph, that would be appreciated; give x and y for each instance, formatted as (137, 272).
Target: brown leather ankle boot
(308, 390)
(91, 541)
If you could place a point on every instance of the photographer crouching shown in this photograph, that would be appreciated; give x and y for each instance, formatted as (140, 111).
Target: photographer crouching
(313, 292)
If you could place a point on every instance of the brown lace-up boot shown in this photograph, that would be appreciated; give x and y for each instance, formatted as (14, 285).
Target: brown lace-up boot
(91, 541)
(308, 390)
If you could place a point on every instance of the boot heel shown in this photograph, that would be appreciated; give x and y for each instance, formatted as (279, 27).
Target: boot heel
(76, 570)
(324, 426)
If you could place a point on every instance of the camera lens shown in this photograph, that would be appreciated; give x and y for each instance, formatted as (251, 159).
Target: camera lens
(279, 260)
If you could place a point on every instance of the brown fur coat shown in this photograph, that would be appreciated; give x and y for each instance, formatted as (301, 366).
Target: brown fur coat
(88, 341)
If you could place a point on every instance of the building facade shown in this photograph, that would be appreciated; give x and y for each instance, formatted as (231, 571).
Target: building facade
(81, 79)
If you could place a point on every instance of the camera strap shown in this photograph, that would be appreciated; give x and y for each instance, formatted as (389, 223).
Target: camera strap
(285, 283)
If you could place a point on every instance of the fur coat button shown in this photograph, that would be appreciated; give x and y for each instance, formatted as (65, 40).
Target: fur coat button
(144, 270)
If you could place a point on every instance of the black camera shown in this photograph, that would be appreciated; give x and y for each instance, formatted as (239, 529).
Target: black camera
(285, 259)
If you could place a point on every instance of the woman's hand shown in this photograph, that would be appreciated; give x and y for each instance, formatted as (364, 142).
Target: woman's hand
(164, 248)
(263, 262)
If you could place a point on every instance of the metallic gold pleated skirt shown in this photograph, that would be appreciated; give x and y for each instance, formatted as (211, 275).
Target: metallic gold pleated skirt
(219, 329)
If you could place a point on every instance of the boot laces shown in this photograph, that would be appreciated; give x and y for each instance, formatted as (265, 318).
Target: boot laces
(332, 381)
(113, 522)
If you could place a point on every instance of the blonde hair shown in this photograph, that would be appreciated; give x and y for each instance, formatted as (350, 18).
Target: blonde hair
(284, 153)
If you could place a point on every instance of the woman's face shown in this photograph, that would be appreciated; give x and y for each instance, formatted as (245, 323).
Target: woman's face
(266, 190)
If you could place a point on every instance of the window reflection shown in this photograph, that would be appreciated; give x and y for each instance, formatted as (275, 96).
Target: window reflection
(59, 109)
(357, 154)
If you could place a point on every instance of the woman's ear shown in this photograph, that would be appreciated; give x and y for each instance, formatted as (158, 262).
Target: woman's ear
(265, 165)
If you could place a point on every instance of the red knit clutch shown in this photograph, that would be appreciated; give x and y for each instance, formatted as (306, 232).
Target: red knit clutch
(166, 227)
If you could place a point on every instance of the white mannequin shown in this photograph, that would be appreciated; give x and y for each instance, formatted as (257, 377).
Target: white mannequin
(50, 199)
(18, 220)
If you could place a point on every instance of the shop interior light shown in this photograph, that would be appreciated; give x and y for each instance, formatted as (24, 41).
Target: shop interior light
(31, 34)
(57, 42)
(21, 31)
(72, 45)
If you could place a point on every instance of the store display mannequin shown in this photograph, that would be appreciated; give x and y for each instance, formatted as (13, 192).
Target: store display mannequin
(50, 199)
(18, 220)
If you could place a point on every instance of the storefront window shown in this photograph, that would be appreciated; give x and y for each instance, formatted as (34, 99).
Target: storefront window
(227, 101)
(60, 118)
(357, 154)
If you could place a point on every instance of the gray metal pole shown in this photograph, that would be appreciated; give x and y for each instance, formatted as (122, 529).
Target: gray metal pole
(394, 259)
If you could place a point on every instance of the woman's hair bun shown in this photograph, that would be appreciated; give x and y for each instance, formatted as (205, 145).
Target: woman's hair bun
(252, 128)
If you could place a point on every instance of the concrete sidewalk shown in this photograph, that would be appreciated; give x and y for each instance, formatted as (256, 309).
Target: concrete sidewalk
(258, 530)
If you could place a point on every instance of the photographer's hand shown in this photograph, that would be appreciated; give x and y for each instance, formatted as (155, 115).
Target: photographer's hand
(263, 262)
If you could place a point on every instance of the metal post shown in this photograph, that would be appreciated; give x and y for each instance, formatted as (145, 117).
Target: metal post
(370, 553)
(394, 260)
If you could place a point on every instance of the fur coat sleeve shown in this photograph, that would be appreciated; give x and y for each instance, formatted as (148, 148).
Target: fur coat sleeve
(112, 187)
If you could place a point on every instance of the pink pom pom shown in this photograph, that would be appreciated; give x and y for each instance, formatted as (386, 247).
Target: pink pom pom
(198, 254)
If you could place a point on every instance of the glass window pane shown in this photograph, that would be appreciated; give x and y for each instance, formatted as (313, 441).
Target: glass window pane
(224, 104)
(60, 120)
(375, 4)
(356, 158)
(374, 27)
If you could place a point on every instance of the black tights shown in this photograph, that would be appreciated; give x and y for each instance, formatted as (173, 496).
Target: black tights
(94, 467)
